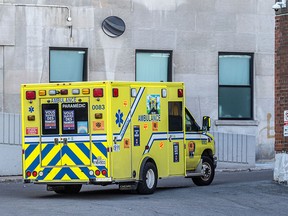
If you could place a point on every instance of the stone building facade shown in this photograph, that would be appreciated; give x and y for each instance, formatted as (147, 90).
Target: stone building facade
(196, 33)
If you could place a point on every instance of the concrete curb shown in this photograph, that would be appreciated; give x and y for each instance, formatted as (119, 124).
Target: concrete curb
(243, 169)
(231, 167)
(12, 179)
(222, 168)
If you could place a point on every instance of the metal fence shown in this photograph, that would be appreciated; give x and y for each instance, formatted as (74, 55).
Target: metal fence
(10, 128)
(235, 148)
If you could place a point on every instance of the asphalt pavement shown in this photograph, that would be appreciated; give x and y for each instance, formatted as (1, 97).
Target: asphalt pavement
(233, 192)
(221, 167)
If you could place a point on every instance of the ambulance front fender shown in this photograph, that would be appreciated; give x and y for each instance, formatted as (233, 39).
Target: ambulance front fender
(144, 161)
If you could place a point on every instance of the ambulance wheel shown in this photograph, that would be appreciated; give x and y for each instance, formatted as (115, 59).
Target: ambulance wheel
(149, 179)
(69, 189)
(208, 170)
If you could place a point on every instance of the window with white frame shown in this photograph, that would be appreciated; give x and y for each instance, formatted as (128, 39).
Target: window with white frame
(153, 65)
(235, 86)
(68, 64)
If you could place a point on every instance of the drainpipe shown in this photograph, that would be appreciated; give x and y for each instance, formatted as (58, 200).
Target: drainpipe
(2, 100)
(68, 18)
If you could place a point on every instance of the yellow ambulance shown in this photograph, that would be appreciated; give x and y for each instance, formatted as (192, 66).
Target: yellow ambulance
(125, 133)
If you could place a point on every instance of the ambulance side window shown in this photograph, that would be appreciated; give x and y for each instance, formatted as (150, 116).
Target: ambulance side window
(175, 116)
(191, 124)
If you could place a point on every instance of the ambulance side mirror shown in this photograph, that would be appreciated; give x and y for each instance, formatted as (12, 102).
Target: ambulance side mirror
(206, 123)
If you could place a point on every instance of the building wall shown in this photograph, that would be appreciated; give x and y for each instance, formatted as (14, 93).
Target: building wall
(281, 79)
(281, 96)
(195, 30)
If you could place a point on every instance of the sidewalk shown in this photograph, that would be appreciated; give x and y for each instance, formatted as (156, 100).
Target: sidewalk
(14, 178)
(221, 167)
(236, 167)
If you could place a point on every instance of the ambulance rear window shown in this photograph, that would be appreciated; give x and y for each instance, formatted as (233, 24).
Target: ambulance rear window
(75, 118)
(50, 123)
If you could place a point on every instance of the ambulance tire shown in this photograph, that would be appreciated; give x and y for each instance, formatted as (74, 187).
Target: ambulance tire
(209, 172)
(149, 179)
(70, 189)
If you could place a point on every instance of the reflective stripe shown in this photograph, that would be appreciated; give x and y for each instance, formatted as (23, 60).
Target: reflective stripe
(130, 114)
(153, 137)
(99, 138)
(45, 139)
(196, 136)
(32, 139)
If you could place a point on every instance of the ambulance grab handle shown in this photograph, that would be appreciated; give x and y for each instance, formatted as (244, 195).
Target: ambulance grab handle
(65, 141)
(115, 140)
(56, 141)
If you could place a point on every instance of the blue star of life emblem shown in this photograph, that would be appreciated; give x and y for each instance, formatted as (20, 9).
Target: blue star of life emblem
(31, 109)
(119, 116)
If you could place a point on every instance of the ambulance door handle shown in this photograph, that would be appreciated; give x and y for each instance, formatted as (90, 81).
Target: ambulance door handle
(65, 141)
(170, 138)
(56, 141)
(115, 140)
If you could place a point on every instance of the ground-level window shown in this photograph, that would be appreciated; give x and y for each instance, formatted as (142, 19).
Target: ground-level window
(235, 86)
(153, 65)
(68, 64)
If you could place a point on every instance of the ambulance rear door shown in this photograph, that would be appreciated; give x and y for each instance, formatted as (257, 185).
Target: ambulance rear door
(65, 139)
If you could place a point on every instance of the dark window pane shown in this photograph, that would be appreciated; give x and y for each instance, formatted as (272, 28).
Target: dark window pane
(235, 102)
(175, 116)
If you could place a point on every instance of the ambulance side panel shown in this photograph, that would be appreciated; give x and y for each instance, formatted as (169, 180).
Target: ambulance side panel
(176, 123)
(30, 134)
(149, 128)
(121, 137)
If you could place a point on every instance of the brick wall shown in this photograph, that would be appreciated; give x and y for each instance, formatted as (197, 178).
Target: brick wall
(281, 78)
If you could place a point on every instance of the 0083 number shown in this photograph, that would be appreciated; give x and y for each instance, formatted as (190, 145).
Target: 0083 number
(98, 107)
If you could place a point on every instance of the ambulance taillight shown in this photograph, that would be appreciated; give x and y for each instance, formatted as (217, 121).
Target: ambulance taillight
(98, 92)
(104, 172)
(97, 172)
(30, 95)
(28, 173)
(115, 92)
(34, 173)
